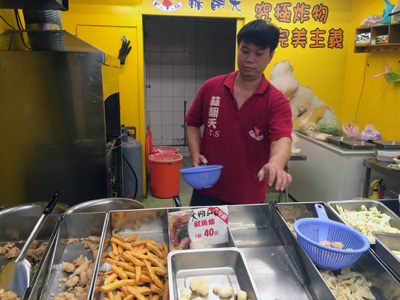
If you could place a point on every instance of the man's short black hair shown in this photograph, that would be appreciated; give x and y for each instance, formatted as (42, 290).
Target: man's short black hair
(259, 33)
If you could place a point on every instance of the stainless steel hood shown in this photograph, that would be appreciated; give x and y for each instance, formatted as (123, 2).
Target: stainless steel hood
(48, 40)
(35, 4)
(52, 117)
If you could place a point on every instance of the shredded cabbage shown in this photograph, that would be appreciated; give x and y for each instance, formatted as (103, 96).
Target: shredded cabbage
(366, 221)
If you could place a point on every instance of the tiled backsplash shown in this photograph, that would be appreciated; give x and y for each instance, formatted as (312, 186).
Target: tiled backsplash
(180, 55)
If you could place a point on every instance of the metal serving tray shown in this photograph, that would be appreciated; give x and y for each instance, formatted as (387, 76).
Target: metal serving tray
(217, 266)
(356, 206)
(16, 229)
(384, 284)
(387, 144)
(385, 243)
(73, 226)
(265, 242)
(357, 145)
(336, 140)
(147, 223)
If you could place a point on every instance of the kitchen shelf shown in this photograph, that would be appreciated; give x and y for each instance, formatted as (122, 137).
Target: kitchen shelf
(393, 32)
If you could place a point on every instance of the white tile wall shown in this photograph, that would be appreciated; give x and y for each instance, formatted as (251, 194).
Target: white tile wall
(180, 54)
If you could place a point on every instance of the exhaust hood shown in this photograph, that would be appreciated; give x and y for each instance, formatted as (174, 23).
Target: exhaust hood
(35, 4)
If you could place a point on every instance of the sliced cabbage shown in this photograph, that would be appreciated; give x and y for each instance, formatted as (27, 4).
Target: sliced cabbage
(366, 221)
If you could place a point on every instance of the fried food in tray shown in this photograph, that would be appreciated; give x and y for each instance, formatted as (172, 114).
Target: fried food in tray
(69, 269)
(134, 257)
(15, 231)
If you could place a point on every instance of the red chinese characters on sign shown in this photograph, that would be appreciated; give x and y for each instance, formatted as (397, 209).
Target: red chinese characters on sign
(202, 223)
(299, 37)
(335, 39)
(301, 12)
(282, 13)
(262, 11)
(284, 37)
(317, 38)
(320, 13)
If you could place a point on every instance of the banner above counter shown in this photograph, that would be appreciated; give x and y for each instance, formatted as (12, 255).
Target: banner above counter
(309, 24)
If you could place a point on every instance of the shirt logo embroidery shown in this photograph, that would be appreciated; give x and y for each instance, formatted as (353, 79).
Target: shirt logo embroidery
(255, 134)
(213, 112)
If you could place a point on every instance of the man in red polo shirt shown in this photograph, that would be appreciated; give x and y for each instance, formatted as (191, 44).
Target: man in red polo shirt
(247, 125)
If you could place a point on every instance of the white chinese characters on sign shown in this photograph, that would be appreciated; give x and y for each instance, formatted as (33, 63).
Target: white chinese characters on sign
(213, 112)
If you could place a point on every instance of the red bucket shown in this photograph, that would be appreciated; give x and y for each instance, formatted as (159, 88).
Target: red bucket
(164, 174)
(164, 149)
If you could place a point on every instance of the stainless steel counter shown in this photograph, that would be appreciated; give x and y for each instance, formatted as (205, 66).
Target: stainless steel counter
(330, 173)
(279, 266)
(336, 149)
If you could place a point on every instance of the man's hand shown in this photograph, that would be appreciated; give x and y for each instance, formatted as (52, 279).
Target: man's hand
(198, 160)
(275, 173)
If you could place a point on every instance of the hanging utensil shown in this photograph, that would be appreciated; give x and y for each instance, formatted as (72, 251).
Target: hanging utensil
(16, 275)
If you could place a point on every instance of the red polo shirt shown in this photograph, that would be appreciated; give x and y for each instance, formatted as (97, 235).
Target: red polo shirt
(239, 140)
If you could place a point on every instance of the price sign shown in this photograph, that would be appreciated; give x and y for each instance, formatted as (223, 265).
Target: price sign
(209, 225)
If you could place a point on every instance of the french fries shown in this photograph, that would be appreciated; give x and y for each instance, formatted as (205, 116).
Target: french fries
(138, 269)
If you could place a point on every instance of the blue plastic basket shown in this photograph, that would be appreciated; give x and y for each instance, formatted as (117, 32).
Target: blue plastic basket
(202, 177)
(310, 231)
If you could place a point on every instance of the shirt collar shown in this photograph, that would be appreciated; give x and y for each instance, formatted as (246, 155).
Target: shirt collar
(262, 88)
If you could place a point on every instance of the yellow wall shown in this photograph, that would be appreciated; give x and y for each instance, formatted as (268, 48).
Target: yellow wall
(320, 69)
(379, 101)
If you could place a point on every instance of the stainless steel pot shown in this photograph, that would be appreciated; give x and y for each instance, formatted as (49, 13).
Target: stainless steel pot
(31, 209)
(104, 205)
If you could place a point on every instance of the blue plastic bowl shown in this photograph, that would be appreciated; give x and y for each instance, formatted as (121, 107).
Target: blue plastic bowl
(201, 177)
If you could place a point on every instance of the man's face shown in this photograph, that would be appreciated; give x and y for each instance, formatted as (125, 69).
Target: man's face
(252, 60)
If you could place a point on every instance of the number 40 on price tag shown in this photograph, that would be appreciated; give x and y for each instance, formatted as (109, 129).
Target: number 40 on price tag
(209, 225)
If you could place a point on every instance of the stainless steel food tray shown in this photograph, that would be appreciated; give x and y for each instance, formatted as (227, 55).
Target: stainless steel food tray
(73, 226)
(357, 145)
(384, 284)
(265, 242)
(336, 140)
(356, 206)
(387, 144)
(216, 266)
(147, 223)
(385, 244)
(16, 229)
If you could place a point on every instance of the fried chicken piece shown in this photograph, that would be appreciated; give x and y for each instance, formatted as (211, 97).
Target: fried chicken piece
(94, 239)
(9, 250)
(92, 244)
(81, 293)
(12, 253)
(69, 241)
(80, 260)
(68, 267)
(9, 295)
(337, 245)
(325, 243)
(72, 282)
(6, 248)
(36, 254)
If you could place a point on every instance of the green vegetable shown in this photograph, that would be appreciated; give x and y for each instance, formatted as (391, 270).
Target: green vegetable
(330, 126)
(366, 221)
